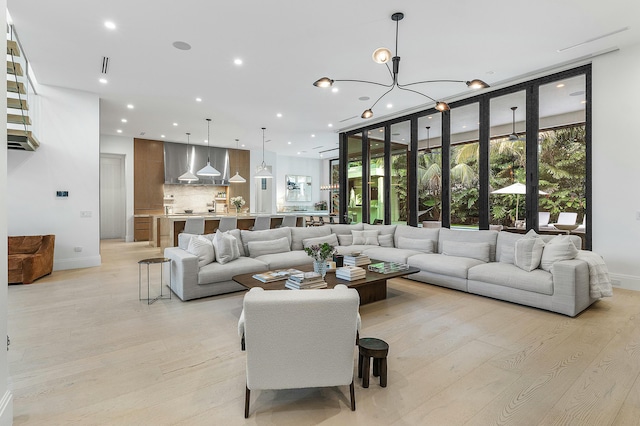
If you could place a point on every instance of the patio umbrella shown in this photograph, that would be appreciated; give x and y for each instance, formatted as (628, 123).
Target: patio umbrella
(517, 188)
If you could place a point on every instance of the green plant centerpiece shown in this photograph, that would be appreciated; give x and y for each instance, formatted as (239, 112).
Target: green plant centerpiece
(237, 202)
(320, 254)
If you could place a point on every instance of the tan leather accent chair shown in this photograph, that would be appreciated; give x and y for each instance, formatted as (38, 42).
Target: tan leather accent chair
(30, 257)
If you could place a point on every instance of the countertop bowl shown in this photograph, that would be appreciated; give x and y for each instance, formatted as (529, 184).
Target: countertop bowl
(566, 227)
(189, 211)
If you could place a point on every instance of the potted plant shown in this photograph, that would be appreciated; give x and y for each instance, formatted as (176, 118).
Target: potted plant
(237, 202)
(320, 254)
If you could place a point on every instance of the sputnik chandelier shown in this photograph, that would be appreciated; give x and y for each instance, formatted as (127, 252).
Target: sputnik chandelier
(382, 56)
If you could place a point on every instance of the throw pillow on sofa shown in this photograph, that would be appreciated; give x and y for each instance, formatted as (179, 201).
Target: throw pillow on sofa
(479, 251)
(226, 247)
(260, 248)
(528, 253)
(316, 241)
(203, 248)
(369, 238)
(419, 244)
(385, 240)
(345, 240)
(559, 248)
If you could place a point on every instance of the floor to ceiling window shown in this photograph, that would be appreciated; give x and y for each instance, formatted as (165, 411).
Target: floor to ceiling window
(503, 157)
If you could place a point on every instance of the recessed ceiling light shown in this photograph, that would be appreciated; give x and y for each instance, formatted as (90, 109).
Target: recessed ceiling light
(237, 61)
(389, 105)
(289, 143)
(429, 117)
(364, 98)
(560, 85)
(119, 131)
(330, 125)
(298, 152)
(129, 106)
(279, 115)
(242, 145)
(205, 141)
(175, 124)
(198, 99)
(162, 136)
(464, 127)
(583, 102)
(335, 89)
(181, 45)
(103, 81)
(124, 120)
(109, 24)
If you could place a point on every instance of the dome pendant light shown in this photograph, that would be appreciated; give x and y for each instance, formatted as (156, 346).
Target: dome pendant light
(237, 178)
(188, 176)
(263, 173)
(208, 170)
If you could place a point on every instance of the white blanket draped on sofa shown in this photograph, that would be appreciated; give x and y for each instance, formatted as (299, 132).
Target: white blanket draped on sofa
(599, 282)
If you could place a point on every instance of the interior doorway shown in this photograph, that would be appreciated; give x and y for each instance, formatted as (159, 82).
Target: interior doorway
(112, 197)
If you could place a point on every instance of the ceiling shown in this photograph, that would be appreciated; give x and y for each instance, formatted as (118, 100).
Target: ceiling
(285, 46)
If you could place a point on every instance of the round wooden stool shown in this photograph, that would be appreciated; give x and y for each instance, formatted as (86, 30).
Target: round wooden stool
(377, 349)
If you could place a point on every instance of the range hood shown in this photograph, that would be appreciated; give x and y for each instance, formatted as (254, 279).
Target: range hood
(175, 163)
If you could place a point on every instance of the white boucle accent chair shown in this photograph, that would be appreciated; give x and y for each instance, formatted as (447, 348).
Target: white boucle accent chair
(299, 338)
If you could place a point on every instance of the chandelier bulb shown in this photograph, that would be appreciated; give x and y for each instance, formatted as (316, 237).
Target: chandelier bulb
(323, 82)
(442, 106)
(367, 114)
(382, 55)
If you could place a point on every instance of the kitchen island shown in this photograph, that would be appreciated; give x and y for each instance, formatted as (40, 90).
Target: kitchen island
(165, 229)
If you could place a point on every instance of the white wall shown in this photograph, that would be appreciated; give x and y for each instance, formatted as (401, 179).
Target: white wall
(68, 159)
(123, 146)
(616, 152)
(6, 396)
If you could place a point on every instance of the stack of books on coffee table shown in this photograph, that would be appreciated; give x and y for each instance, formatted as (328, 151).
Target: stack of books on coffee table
(351, 273)
(388, 267)
(305, 280)
(359, 260)
(277, 275)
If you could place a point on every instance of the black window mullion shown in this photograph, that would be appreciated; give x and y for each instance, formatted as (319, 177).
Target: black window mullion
(412, 175)
(343, 179)
(387, 173)
(532, 168)
(366, 174)
(483, 163)
(446, 169)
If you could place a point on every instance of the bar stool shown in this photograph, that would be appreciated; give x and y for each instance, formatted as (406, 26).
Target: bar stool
(377, 349)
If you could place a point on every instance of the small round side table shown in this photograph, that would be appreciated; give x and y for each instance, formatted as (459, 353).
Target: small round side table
(377, 349)
(149, 262)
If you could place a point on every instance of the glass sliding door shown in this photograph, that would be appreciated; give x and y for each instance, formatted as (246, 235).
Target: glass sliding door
(562, 151)
(354, 179)
(429, 173)
(398, 190)
(507, 160)
(464, 166)
(376, 175)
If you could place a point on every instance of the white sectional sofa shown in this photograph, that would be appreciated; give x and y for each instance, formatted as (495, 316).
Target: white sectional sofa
(479, 262)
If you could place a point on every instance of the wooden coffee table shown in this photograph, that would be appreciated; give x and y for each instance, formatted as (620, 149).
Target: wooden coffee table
(371, 288)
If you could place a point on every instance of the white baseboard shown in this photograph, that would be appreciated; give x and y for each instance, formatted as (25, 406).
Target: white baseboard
(81, 262)
(6, 409)
(629, 282)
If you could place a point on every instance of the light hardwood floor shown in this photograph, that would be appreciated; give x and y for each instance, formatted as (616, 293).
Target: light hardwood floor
(85, 351)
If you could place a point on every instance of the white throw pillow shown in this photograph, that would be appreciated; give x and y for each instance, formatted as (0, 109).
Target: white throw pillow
(226, 247)
(559, 248)
(345, 240)
(508, 254)
(385, 240)
(316, 241)
(528, 253)
(201, 247)
(369, 238)
(479, 251)
(419, 244)
(260, 248)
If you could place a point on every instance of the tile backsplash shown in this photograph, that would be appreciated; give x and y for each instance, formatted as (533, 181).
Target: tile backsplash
(196, 198)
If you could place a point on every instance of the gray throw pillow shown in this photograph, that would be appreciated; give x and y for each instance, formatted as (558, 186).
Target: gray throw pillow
(203, 248)
(385, 240)
(316, 241)
(479, 251)
(559, 248)
(418, 244)
(528, 253)
(260, 248)
(226, 247)
(369, 238)
(345, 240)
(508, 254)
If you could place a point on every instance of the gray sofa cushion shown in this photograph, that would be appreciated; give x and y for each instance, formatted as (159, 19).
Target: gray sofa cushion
(286, 260)
(416, 233)
(299, 234)
(215, 272)
(444, 265)
(508, 275)
(382, 229)
(478, 251)
(469, 237)
(344, 229)
(331, 239)
(418, 244)
(266, 235)
(368, 238)
(528, 253)
(260, 248)
(390, 255)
